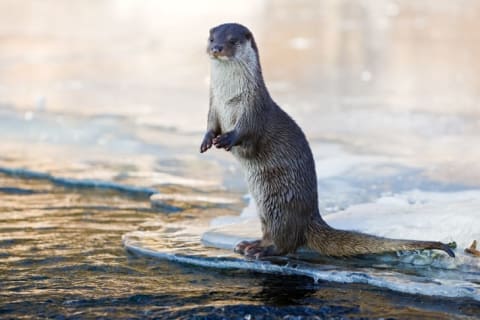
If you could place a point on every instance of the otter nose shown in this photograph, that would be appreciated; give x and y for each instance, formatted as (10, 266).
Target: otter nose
(217, 48)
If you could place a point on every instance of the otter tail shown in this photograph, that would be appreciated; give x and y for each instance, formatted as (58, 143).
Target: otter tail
(337, 243)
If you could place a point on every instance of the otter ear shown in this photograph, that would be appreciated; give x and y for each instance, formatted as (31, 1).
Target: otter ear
(248, 36)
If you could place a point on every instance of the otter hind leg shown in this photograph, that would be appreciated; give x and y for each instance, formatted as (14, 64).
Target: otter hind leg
(244, 245)
(256, 249)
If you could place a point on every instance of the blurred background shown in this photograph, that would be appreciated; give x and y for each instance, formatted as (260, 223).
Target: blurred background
(394, 77)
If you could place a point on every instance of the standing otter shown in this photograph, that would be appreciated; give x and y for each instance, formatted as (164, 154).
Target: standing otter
(276, 157)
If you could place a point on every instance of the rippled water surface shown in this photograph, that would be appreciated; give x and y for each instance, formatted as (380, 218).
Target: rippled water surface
(102, 108)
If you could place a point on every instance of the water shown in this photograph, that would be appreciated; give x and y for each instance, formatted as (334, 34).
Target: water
(103, 105)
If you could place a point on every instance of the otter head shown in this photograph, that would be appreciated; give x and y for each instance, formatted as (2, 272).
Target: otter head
(231, 41)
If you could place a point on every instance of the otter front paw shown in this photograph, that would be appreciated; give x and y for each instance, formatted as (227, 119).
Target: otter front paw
(226, 140)
(207, 141)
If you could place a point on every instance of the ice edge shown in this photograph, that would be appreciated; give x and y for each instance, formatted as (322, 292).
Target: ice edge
(437, 287)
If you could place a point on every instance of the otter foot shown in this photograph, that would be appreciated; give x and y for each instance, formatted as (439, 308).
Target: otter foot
(242, 245)
(255, 249)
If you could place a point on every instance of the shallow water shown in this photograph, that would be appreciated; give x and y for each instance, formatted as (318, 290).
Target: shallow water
(62, 256)
(103, 104)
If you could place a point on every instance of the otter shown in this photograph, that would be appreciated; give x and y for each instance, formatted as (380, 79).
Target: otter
(276, 158)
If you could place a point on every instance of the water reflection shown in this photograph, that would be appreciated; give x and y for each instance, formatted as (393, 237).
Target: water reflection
(384, 77)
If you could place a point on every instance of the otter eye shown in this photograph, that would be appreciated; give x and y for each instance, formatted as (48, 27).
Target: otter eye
(233, 41)
(210, 39)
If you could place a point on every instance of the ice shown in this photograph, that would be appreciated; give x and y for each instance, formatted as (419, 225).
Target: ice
(417, 215)
(166, 244)
(446, 213)
(443, 216)
(408, 210)
(78, 183)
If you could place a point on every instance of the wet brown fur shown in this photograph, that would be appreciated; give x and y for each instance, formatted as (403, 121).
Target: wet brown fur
(276, 158)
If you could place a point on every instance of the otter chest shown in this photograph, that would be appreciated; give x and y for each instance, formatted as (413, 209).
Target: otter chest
(228, 88)
(228, 113)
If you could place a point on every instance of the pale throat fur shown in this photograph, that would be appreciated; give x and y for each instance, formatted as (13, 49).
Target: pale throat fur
(232, 82)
